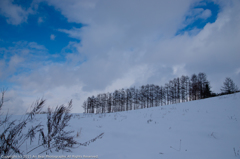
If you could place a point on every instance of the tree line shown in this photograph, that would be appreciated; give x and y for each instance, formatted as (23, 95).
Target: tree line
(178, 90)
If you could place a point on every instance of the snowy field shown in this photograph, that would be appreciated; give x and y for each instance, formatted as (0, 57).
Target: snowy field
(202, 129)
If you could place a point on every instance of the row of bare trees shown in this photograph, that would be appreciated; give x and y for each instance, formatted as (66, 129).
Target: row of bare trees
(178, 90)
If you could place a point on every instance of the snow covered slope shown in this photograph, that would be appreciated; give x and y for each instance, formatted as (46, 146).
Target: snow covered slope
(202, 129)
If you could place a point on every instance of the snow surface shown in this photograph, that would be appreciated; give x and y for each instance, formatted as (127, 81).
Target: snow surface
(201, 129)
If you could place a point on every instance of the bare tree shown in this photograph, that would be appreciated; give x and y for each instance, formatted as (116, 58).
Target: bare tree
(142, 97)
(183, 88)
(85, 106)
(178, 90)
(175, 91)
(202, 82)
(157, 95)
(162, 96)
(128, 97)
(122, 99)
(166, 92)
(135, 98)
(194, 87)
(229, 86)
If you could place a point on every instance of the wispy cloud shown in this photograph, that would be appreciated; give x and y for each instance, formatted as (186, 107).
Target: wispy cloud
(205, 14)
(15, 14)
(23, 55)
(40, 20)
(52, 37)
(121, 47)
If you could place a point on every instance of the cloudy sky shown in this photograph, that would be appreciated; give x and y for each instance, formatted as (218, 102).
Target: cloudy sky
(72, 49)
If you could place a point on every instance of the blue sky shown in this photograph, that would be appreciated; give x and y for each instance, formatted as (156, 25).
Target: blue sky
(199, 23)
(39, 28)
(64, 50)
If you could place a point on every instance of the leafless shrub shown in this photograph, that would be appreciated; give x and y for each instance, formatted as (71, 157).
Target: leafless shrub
(79, 132)
(236, 152)
(179, 149)
(149, 120)
(92, 140)
(2, 98)
(213, 134)
(12, 136)
(57, 138)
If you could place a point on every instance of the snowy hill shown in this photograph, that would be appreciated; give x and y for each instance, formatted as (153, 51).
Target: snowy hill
(202, 129)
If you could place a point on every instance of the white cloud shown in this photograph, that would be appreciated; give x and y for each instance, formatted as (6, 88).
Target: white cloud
(238, 71)
(148, 33)
(130, 47)
(52, 37)
(15, 14)
(22, 55)
(74, 33)
(36, 46)
(137, 74)
(179, 70)
(40, 20)
(195, 14)
(13, 104)
(135, 17)
(205, 14)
